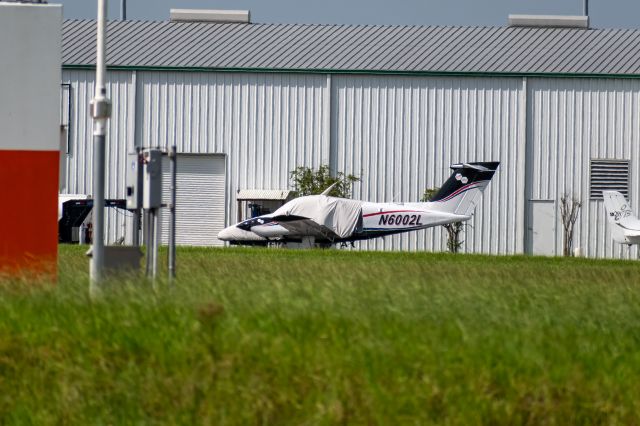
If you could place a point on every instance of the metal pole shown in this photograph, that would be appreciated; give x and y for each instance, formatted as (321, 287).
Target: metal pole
(585, 8)
(123, 10)
(137, 213)
(155, 239)
(147, 229)
(100, 111)
(136, 228)
(172, 210)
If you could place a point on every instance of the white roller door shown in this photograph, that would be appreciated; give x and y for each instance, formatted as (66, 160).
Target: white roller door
(200, 201)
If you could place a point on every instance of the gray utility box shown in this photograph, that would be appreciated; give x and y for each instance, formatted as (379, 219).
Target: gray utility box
(120, 259)
(134, 181)
(152, 179)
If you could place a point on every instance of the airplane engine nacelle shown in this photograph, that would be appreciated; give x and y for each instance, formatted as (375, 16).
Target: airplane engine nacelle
(270, 230)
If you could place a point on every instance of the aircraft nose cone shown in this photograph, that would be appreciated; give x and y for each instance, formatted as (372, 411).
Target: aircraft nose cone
(233, 233)
(226, 233)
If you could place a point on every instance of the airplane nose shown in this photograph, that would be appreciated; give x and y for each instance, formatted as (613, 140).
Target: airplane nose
(225, 234)
(233, 233)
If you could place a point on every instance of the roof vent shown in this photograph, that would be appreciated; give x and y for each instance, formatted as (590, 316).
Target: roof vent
(549, 21)
(207, 15)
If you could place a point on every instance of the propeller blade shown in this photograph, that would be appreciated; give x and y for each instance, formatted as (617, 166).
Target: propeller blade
(328, 190)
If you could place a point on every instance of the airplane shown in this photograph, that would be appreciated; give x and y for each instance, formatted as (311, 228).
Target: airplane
(322, 220)
(625, 226)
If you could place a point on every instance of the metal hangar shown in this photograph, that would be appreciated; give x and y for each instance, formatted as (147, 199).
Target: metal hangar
(247, 103)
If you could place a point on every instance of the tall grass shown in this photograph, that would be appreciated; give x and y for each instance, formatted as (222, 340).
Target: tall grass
(252, 336)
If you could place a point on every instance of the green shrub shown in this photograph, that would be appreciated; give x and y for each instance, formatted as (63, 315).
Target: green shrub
(308, 181)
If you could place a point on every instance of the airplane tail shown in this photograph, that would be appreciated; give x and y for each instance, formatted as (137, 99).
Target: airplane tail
(619, 215)
(460, 193)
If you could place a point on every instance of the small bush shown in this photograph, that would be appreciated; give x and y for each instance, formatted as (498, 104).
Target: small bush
(308, 181)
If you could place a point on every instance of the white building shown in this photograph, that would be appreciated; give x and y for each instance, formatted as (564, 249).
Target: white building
(247, 103)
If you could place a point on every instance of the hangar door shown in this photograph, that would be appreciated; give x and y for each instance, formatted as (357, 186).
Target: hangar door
(200, 199)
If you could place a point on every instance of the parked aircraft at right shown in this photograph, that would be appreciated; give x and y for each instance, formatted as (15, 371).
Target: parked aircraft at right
(625, 226)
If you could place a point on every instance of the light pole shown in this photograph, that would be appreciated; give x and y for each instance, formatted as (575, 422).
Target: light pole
(100, 111)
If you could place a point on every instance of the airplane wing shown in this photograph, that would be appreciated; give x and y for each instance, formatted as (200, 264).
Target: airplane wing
(322, 215)
(303, 226)
(316, 216)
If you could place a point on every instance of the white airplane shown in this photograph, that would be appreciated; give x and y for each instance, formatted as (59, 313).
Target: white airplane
(325, 220)
(625, 226)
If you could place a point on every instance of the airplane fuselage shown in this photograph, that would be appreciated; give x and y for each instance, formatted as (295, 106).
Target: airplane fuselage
(377, 220)
(325, 220)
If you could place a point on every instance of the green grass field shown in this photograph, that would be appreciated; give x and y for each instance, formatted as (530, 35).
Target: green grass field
(255, 336)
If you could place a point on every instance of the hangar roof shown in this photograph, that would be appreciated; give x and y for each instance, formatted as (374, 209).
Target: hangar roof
(357, 48)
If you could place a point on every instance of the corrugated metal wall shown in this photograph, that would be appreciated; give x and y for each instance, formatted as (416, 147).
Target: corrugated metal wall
(266, 124)
(398, 133)
(401, 134)
(120, 138)
(572, 121)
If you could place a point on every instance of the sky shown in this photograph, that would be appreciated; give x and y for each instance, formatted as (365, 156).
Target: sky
(603, 13)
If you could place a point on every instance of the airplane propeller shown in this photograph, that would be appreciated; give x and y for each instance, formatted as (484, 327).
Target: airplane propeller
(328, 190)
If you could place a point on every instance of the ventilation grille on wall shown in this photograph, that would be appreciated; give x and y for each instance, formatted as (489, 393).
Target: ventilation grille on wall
(609, 175)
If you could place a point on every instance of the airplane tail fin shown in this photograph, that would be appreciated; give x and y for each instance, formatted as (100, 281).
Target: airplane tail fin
(460, 193)
(619, 214)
